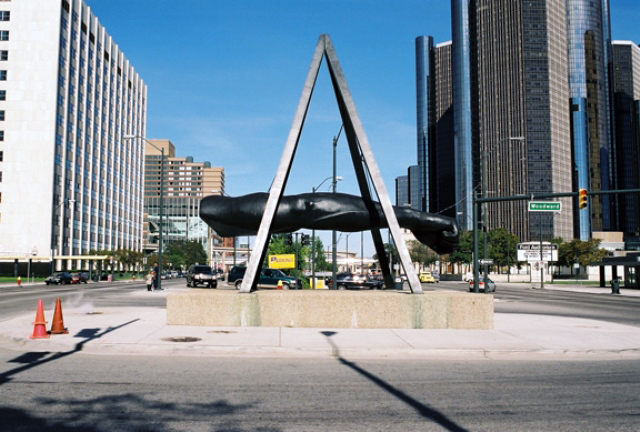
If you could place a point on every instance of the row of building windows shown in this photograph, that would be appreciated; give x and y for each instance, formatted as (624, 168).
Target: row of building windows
(4, 56)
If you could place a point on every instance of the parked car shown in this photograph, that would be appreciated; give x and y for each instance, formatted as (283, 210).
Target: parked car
(488, 283)
(201, 274)
(354, 281)
(426, 277)
(79, 277)
(436, 276)
(59, 278)
(268, 278)
(219, 274)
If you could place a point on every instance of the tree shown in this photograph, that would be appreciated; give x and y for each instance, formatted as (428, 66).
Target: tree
(421, 254)
(464, 253)
(502, 246)
(580, 252)
(321, 260)
(182, 254)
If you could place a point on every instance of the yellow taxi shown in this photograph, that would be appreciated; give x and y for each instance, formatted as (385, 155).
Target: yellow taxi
(427, 277)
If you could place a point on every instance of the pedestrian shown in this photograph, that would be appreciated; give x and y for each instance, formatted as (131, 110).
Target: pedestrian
(155, 277)
(149, 280)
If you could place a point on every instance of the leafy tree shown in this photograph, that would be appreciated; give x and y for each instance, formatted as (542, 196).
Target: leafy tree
(464, 253)
(421, 254)
(321, 260)
(580, 252)
(502, 246)
(182, 254)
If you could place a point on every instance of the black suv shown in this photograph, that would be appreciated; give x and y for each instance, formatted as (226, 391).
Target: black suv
(201, 274)
(268, 278)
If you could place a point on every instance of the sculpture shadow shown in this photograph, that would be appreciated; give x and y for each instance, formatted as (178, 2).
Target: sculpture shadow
(34, 359)
(422, 409)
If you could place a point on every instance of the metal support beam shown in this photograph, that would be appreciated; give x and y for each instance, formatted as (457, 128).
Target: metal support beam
(362, 158)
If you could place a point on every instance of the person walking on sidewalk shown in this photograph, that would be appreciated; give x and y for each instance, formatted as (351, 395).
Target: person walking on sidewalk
(149, 280)
(156, 276)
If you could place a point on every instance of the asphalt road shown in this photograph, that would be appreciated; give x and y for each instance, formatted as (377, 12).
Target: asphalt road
(82, 392)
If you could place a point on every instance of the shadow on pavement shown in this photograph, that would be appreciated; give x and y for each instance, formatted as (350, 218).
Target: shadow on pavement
(422, 409)
(35, 359)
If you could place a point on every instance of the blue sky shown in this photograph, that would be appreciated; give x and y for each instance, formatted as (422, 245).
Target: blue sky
(225, 78)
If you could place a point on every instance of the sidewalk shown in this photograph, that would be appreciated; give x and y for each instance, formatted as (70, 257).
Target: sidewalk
(144, 331)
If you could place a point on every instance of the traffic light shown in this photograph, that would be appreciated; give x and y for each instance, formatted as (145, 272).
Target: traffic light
(288, 239)
(582, 199)
(304, 239)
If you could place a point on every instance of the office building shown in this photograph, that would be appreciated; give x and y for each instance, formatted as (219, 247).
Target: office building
(511, 58)
(462, 34)
(425, 120)
(443, 200)
(402, 191)
(185, 183)
(69, 184)
(626, 94)
(589, 59)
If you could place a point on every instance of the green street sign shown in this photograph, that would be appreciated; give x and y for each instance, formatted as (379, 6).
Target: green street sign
(545, 206)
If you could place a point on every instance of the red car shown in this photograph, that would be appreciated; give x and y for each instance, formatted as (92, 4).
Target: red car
(77, 278)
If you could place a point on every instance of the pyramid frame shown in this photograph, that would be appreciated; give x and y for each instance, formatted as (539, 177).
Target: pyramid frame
(362, 158)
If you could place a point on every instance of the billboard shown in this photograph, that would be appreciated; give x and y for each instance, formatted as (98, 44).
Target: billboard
(282, 261)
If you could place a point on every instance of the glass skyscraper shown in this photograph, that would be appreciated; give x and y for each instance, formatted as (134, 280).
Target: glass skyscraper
(519, 134)
(589, 54)
(626, 80)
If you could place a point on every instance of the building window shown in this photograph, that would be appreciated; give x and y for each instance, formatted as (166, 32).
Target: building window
(1, 135)
(1, 115)
(1, 155)
(3, 75)
(4, 35)
(4, 55)
(3, 95)
(5, 15)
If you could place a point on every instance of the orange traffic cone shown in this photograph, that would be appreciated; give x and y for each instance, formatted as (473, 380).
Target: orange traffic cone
(39, 328)
(57, 326)
(279, 286)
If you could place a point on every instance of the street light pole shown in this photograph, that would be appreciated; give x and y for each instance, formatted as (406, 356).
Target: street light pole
(313, 234)
(161, 211)
(334, 254)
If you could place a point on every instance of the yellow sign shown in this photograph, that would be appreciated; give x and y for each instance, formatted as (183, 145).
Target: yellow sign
(283, 261)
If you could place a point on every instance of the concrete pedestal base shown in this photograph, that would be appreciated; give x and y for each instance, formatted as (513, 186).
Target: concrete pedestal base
(332, 309)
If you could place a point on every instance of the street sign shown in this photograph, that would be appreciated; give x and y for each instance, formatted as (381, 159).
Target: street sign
(530, 251)
(531, 246)
(485, 261)
(545, 206)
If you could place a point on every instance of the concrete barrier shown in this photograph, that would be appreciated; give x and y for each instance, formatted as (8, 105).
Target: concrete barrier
(332, 309)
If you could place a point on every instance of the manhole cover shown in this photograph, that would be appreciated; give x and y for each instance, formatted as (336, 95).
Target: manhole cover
(222, 331)
(182, 339)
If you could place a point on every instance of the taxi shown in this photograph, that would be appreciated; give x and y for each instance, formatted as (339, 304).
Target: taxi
(427, 277)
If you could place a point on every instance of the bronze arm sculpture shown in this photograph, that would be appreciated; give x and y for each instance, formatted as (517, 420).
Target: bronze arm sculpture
(237, 216)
